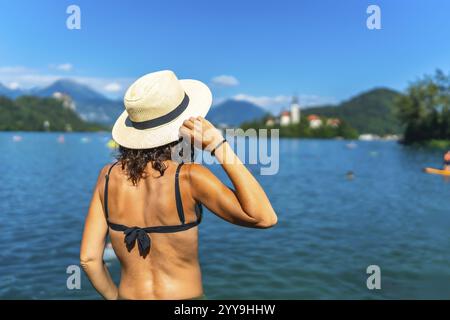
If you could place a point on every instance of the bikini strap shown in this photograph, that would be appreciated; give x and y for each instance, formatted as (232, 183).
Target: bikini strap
(105, 197)
(198, 212)
(178, 194)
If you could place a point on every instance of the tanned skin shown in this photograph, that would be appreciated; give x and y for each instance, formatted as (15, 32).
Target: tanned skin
(171, 270)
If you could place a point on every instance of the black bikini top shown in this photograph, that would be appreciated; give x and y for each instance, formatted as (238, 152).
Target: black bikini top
(140, 235)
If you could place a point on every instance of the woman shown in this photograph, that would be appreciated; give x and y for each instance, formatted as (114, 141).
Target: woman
(151, 204)
(447, 160)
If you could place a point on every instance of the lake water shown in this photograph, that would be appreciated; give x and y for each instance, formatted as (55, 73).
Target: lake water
(330, 228)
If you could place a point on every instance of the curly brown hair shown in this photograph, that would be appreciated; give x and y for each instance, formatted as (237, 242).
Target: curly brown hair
(134, 161)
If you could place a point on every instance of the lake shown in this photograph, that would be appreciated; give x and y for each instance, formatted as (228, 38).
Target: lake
(330, 228)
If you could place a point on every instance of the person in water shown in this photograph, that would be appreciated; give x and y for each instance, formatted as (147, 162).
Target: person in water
(350, 175)
(150, 203)
(447, 161)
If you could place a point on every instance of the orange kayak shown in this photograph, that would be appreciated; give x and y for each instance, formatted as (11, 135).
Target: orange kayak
(437, 171)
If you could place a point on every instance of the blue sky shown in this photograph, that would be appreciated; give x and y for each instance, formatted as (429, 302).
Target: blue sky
(262, 51)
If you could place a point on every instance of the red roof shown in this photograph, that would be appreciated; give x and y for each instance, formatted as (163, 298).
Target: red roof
(285, 113)
(334, 121)
(312, 117)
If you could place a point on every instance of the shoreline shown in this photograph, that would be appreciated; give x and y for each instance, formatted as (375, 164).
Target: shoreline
(429, 144)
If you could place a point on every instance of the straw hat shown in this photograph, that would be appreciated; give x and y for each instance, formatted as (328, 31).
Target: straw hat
(156, 106)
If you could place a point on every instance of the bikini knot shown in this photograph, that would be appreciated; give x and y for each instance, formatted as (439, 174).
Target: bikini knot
(136, 234)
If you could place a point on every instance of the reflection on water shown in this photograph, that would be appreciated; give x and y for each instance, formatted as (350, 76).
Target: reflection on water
(330, 227)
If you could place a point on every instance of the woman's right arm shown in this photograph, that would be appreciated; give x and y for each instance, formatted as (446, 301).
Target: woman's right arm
(248, 205)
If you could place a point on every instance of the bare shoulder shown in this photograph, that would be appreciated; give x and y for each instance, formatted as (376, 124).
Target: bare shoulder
(105, 168)
(202, 180)
(196, 172)
(103, 172)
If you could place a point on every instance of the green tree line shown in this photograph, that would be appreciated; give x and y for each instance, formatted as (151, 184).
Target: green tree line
(303, 129)
(424, 110)
(28, 113)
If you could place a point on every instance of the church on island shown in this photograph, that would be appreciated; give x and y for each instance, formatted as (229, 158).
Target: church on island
(286, 117)
(292, 116)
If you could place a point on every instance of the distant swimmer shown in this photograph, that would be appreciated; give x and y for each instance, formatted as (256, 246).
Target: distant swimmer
(350, 175)
(447, 161)
(446, 167)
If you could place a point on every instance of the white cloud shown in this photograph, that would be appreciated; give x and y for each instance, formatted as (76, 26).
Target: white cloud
(263, 101)
(13, 85)
(64, 67)
(14, 69)
(279, 102)
(225, 81)
(309, 100)
(113, 87)
(218, 100)
(29, 78)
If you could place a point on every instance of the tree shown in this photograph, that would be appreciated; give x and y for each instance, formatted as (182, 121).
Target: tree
(425, 109)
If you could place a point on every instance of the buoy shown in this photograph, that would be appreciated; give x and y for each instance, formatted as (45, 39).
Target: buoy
(112, 144)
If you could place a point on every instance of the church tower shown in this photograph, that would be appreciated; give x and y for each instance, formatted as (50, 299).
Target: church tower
(295, 110)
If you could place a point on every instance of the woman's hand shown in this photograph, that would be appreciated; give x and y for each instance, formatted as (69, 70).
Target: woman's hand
(201, 132)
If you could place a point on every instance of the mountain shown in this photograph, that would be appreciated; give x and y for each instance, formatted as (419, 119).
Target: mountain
(90, 105)
(369, 112)
(233, 113)
(103, 111)
(77, 91)
(28, 113)
(4, 91)
(10, 93)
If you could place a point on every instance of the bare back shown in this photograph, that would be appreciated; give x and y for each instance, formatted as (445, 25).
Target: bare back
(171, 269)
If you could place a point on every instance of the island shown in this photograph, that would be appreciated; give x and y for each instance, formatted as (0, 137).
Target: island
(30, 113)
